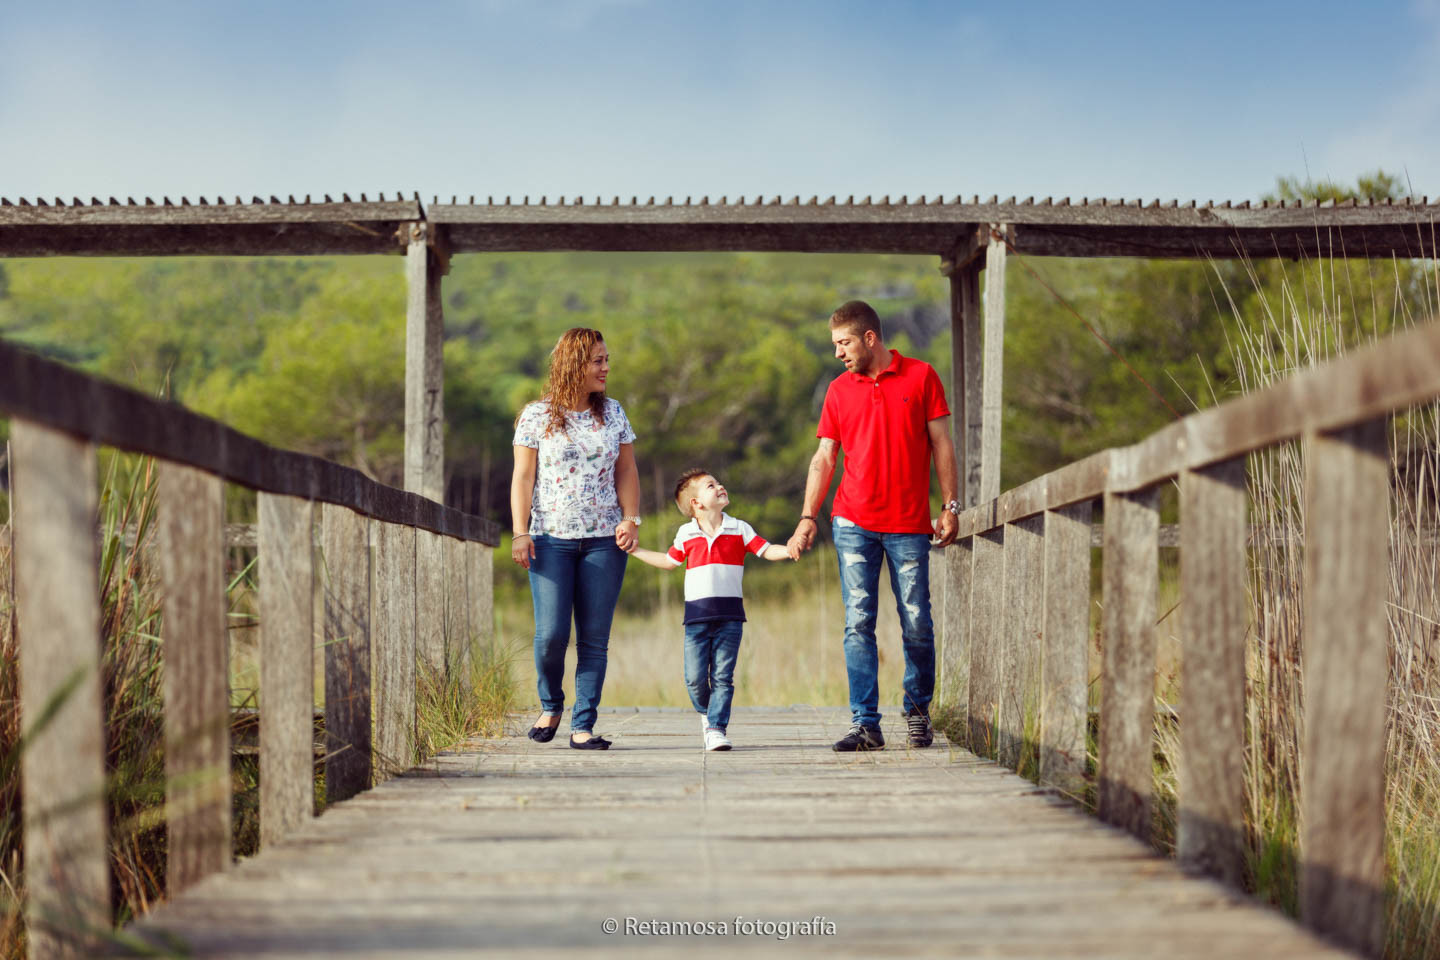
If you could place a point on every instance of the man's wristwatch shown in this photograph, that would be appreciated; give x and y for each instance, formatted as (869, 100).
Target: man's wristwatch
(635, 520)
(954, 507)
(806, 516)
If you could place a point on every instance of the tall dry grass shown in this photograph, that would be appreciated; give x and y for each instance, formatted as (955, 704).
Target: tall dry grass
(1312, 316)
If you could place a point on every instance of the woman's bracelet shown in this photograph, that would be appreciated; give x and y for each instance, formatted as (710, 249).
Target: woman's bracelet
(517, 536)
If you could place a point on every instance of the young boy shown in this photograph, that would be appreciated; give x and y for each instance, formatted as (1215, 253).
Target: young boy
(712, 547)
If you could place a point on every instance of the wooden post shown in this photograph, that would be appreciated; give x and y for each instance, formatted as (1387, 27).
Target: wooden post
(62, 769)
(424, 370)
(1127, 695)
(196, 675)
(994, 402)
(430, 600)
(1213, 620)
(1342, 841)
(954, 687)
(1023, 622)
(1065, 699)
(457, 623)
(345, 541)
(965, 378)
(985, 632)
(287, 665)
(481, 578)
(394, 644)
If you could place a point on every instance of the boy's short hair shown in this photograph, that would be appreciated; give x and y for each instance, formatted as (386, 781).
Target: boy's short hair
(857, 316)
(682, 489)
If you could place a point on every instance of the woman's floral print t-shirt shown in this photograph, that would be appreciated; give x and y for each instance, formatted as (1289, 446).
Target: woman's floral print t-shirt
(575, 471)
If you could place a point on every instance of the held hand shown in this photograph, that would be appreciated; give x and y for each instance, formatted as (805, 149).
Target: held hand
(947, 528)
(802, 539)
(522, 550)
(627, 538)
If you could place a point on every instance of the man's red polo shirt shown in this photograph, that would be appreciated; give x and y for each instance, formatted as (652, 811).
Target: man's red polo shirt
(881, 425)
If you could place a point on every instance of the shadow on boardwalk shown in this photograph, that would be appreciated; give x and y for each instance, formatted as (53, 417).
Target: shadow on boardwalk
(778, 846)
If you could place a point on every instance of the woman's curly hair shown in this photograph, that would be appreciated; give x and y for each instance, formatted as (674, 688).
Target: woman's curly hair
(569, 369)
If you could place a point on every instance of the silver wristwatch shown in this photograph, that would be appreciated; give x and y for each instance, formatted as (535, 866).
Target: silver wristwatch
(954, 507)
(635, 520)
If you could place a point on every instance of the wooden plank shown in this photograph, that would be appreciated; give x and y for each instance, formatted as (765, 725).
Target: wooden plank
(481, 580)
(1065, 696)
(993, 402)
(346, 550)
(986, 655)
(457, 620)
(191, 515)
(1214, 617)
(1127, 696)
(955, 564)
(394, 649)
(424, 370)
(62, 769)
(56, 396)
(1023, 622)
(965, 380)
(1345, 658)
(287, 665)
(430, 601)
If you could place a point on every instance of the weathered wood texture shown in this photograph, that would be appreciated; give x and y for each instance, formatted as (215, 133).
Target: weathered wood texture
(986, 653)
(430, 600)
(191, 515)
(1342, 841)
(394, 647)
(424, 370)
(1096, 228)
(457, 605)
(1127, 690)
(480, 577)
(1023, 622)
(347, 652)
(53, 395)
(462, 858)
(239, 229)
(1399, 372)
(966, 387)
(287, 665)
(955, 565)
(1066, 670)
(1214, 618)
(62, 769)
(994, 367)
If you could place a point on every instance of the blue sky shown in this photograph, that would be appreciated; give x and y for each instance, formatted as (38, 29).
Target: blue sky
(1168, 100)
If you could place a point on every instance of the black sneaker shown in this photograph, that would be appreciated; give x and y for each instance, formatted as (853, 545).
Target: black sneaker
(920, 733)
(860, 738)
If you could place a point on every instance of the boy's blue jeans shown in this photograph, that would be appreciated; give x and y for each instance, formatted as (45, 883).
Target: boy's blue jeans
(579, 578)
(861, 553)
(711, 649)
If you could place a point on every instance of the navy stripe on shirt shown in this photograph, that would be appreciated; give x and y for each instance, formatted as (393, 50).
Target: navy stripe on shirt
(714, 608)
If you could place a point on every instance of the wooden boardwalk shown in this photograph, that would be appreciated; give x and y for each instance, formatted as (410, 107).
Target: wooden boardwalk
(514, 848)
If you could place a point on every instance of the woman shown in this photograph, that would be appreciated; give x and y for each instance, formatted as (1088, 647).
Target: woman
(575, 498)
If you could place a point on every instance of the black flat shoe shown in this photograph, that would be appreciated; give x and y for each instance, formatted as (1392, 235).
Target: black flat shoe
(594, 743)
(543, 734)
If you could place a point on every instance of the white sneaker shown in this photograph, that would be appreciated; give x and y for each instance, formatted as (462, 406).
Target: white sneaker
(704, 722)
(716, 739)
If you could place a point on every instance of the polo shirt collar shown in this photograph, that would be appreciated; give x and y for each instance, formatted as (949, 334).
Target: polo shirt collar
(895, 361)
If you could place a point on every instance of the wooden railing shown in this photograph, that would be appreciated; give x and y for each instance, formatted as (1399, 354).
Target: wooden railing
(1016, 621)
(431, 578)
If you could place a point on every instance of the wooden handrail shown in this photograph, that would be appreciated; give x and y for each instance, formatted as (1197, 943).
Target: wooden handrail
(53, 395)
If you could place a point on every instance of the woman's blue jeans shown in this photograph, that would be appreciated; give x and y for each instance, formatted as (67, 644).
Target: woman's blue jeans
(711, 650)
(861, 553)
(579, 579)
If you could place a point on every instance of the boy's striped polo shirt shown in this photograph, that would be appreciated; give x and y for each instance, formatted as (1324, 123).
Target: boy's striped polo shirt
(714, 566)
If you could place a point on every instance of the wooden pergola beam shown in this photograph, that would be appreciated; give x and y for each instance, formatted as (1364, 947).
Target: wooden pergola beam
(1101, 228)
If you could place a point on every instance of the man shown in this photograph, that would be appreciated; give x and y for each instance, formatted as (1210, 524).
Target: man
(888, 414)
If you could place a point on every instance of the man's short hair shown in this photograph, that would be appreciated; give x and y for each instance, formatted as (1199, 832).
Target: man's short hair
(857, 316)
(683, 486)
